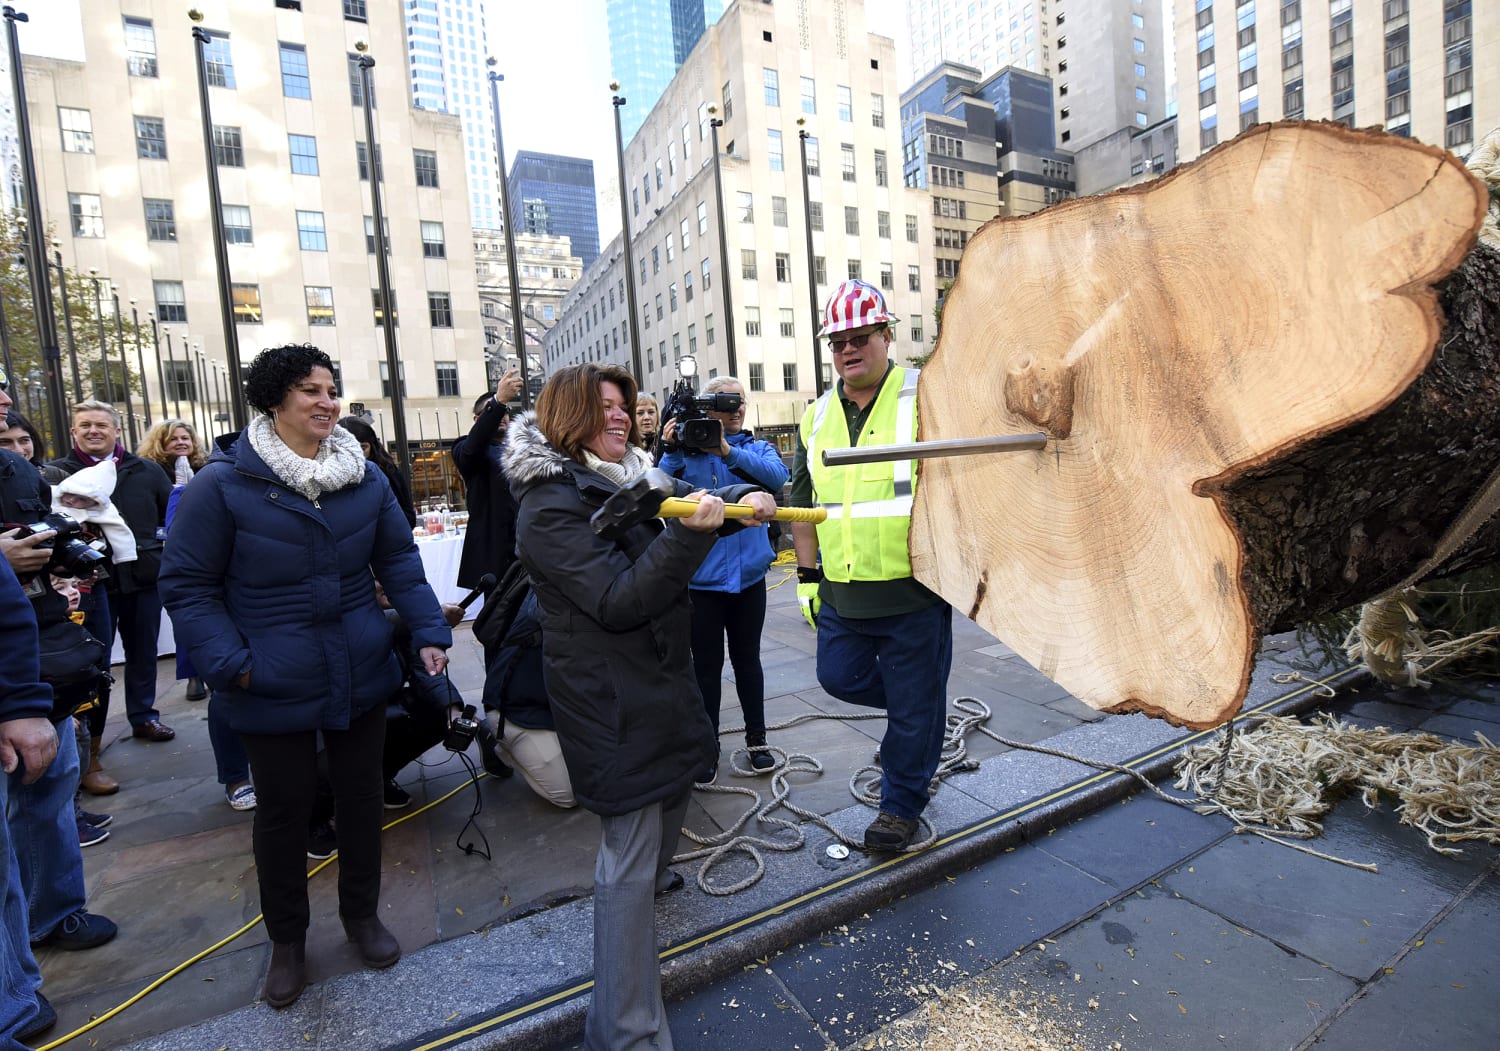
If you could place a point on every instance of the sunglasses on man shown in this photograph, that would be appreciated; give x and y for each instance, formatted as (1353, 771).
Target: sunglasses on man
(858, 342)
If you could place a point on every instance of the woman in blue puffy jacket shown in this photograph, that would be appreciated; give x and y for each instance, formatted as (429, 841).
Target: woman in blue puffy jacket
(269, 582)
(729, 589)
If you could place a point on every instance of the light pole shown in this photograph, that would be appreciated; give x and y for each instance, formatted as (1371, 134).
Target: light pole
(114, 294)
(634, 329)
(41, 287)
(216, 214)
(715, 124)
(176, 378)
(208, 410)
(218, 393)
(62, 285)
(812, 273)
(109, 387)
(140, 364)
(383, 268)
(519, 332)
(161, 374)
(10, 368)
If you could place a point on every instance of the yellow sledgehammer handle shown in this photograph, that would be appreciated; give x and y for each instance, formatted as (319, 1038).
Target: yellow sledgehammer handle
(677, 507)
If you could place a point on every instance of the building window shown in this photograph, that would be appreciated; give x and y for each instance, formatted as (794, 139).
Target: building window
(161, 224)
(851, 220)
(181, 381)
(246, 301)
(672, 297)
(778, 211)
(702, 220)
(378, 304)
(788, 326)
(773, 150)
(433, 246)
(687, 286)
(745, 206)
(77, 130)
(752, 321)
(773, 87)
(319, 304)
(728, 101)
(814, 165)
(362, 158)
(916, 329)
(692, 339)
(877, 110)
(708, 330)
(880, 168)
(656, 259)
(217, 61)
(229, 148)
(757, 377)
(820, 270)
(447, 379)
(171, 301)
(747, 264)
(707, 276)
(846, 103)
(883, 225)
(1140, 118)
(237, 224)
(295, 83)
(911, 229)
(304, 150)
(671, 247)
(385, 378)
(914, 278)
(1140, 70)
(385, 231)
(1138, 44)
(150, 138)
(783, 267)
(809, 95)
(1138, 21)
(660, 313)
(140, 47)
(788, 373)
(815, 214)
(685, 234)
(357, 84)
(354, 10)
(855, 271)
(426, 166)
(88, 214)
(887, 281)
(846, 153)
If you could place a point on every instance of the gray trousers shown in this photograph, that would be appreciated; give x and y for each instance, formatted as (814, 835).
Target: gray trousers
(627, 1013)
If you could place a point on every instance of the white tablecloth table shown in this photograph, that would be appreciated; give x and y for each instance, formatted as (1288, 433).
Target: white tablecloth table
(440, 558)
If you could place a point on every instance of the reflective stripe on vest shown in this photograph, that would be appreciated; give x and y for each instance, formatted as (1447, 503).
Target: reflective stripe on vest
(864, 537)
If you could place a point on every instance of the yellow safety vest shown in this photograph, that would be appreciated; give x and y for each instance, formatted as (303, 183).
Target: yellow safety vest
(869, 505)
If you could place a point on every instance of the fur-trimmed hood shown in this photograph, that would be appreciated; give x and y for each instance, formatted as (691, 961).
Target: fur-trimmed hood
(528, 457)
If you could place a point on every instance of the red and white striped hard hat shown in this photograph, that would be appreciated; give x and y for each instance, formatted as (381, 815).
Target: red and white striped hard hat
(855, 304)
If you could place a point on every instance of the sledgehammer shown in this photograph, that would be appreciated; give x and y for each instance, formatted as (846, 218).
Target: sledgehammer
(650, 496)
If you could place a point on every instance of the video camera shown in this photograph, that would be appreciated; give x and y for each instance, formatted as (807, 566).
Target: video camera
(690, 409)
(76, 552)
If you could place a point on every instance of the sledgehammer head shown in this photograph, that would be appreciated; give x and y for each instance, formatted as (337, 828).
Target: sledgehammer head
(632, 505)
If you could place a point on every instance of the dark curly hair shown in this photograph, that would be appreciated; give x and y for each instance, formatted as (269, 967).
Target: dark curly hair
(276, 369)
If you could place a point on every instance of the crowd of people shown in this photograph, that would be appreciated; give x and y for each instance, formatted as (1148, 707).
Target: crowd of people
(284, 556)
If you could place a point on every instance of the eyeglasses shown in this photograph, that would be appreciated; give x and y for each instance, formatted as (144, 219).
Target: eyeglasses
(841, 346)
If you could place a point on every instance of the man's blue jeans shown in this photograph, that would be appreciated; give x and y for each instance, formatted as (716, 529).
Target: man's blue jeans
(19, 976)
(44, 833)
(230, 760)
(898, 664)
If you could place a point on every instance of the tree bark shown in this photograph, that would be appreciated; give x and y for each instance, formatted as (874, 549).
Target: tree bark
(1220, 358)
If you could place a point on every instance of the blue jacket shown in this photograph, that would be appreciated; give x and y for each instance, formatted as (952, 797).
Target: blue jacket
(738, 561)
(23, 694)
(257, 578)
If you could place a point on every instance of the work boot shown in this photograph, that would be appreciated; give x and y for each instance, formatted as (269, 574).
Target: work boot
(94, 780)
(287, 975)
(759, 760)
(377, 946)
(196, 689)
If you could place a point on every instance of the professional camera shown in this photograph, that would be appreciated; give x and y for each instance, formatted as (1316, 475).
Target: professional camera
(461, 730)
(690, 409)
(75, 551)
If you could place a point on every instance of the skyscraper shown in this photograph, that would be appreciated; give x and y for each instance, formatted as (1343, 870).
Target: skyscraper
(648, 41)
(554, 196)
(446, 53)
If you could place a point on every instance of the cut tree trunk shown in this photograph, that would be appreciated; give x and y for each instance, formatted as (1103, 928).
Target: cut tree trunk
(1220, 358)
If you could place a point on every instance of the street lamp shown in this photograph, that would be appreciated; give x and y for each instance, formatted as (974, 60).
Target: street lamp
(41, 287)
(208, 409)
(161, 374)
(715, 124)
(218, 395)
(62, 284)
(114, 294)
(382, 265)
(510, 237)
(109, 387)
(176, 377)
(635, 337)
(216, 214)
(812, 272)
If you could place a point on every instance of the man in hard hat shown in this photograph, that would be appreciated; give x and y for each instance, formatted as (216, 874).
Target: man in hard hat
(884, 640)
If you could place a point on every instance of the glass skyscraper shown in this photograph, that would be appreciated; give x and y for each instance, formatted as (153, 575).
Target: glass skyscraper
(648, 41)
(554, 195)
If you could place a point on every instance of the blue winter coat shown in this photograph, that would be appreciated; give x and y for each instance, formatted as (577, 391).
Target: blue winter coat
(260, 579)
(738, 561)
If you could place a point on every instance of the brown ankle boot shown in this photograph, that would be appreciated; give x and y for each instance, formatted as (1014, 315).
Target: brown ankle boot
(377, 946)
(287, 975)
(95, 781)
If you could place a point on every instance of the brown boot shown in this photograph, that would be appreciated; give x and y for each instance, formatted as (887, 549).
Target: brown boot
(95, 781)
(287, 975)
(377, 946)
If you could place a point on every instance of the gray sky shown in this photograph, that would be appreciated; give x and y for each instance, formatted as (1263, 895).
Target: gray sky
(555, 98)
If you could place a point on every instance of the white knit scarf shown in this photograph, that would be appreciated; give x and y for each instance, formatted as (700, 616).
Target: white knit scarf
(635, 463)
(339, 464)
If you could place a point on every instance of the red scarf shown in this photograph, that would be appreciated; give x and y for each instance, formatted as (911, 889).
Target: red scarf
(117, 456)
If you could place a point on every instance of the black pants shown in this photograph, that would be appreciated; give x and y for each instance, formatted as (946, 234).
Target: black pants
(136, 617)
(409, 732)
(741, 617)
(285, 769)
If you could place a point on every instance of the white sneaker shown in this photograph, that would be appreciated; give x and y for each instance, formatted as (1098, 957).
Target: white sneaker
(241, 798)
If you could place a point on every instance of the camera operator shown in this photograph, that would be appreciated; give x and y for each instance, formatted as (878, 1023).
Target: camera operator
(729, 588)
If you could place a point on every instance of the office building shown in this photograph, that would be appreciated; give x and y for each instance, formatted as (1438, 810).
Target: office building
(546, 268)
(123, 181)
(553, 196)
(648, 41)
(1429, 71)
(758, 68)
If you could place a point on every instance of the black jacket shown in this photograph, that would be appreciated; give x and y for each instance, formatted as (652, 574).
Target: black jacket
(142, 489)
(490, 538)
(616, 621)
